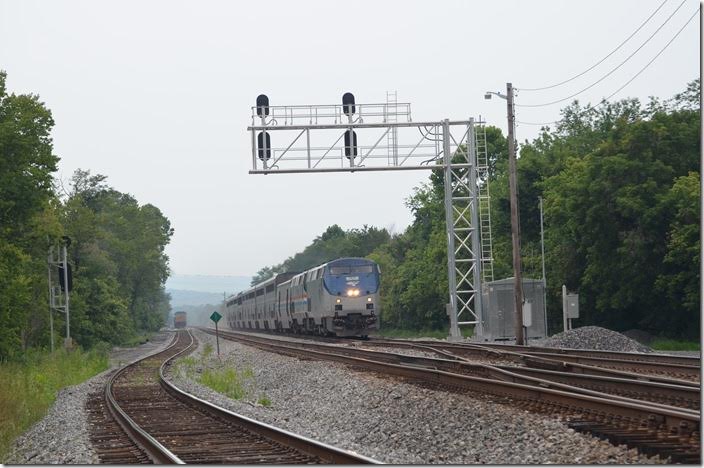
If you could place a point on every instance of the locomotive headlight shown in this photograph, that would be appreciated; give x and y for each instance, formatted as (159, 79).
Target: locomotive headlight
(369, 299)
(353, 292)
(338, 300)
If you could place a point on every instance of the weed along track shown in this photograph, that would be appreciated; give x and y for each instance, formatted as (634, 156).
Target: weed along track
(167, 425)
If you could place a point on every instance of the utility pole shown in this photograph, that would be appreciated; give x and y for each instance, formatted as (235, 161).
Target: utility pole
(515, 228)
(59, 293)
(51, 301)
(542, 256)
(67, 341)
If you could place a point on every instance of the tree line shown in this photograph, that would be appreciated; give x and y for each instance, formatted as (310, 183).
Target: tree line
(620, 183)
(116, 250)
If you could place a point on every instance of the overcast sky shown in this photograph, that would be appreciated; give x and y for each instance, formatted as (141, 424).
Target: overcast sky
(157, 95)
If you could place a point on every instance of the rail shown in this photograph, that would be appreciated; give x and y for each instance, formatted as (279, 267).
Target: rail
(673, 431)
(163, 452)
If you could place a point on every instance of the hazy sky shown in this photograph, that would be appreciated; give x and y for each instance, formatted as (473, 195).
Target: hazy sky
(157, 95)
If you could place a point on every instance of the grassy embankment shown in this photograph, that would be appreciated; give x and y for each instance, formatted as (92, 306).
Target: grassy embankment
(28, 387)
(666, 344)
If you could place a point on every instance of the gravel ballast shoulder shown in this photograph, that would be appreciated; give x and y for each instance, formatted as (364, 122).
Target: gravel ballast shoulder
(61, 437)
(389, 420)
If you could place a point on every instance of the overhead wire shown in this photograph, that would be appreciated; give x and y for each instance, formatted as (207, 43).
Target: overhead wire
(602, 60)
(605, 100)
(612, 70)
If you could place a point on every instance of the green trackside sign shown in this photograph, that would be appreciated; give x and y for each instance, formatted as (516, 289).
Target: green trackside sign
(215, 317)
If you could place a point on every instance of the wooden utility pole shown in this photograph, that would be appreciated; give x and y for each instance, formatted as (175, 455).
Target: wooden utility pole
(515, 227)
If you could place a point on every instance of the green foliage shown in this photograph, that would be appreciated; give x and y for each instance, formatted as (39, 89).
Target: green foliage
(27, 161)
(333, 243)
(621, 190)
(120, 265)
(207, 350)
(28, 387)
(679, 277)
(227, 381)
(27, 219)
(616, 211)
(117, 251)
(264, 401)
(665, 344)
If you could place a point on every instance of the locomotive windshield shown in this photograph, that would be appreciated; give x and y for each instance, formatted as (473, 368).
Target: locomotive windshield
(347, 270)
(360, 275)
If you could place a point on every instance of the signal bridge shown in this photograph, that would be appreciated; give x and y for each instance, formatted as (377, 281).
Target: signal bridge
(354, 137)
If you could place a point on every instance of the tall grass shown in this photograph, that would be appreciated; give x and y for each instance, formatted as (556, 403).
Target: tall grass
(226, 381)
(28, 388)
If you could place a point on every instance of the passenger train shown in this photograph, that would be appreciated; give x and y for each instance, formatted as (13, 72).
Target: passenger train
(339, 298)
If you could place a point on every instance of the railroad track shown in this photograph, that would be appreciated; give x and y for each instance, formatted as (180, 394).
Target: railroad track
(144, 418)
(680, 367)
(638, 357)
(652, 366)
(656, 372)
(654, 428)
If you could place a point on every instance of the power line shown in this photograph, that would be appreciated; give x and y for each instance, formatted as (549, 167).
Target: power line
(604, 100)
(612, 70)
(600, 61)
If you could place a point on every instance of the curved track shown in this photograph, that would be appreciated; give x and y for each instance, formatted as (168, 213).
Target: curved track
(171, 426)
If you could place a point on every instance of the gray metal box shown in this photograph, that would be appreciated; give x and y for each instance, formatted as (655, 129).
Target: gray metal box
(572, 301)
(498, 307)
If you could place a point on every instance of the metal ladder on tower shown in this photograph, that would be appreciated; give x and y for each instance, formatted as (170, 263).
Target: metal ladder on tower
(392, 137)
(484, 205)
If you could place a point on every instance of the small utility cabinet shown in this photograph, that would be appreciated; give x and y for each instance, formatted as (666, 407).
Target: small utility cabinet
(498, 306)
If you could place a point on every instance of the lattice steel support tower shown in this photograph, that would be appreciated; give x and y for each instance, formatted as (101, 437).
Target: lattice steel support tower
(393, 144)
(463, 236)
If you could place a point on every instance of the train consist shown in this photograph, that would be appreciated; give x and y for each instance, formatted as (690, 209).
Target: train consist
(180, 320)
(339, 298)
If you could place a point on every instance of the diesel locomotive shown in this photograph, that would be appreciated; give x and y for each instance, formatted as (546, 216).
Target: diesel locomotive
(180, 320)
(339, 298)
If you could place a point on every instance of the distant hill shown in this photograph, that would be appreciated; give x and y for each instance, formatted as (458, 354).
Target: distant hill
(197, 290)
(184, 297)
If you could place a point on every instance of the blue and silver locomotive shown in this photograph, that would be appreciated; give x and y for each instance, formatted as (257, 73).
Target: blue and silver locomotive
(340, 298)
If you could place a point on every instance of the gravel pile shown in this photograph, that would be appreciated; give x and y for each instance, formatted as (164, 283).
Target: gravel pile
(387, 419)
(594, 338)
(62, 435)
